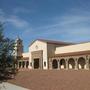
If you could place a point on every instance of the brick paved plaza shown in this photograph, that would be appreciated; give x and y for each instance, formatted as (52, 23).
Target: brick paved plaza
(53, 79)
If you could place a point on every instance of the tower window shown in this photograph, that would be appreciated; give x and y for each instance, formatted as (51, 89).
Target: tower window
(19, 42)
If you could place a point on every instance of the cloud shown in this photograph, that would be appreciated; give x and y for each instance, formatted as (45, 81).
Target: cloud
(19, 25)
(71, 26)
(21, 10)
(64, 21)
(2, 18)
(17, 22)
(1, 12)
(74, 25)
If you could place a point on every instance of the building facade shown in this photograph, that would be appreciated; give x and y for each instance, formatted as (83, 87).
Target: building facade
(48, 54)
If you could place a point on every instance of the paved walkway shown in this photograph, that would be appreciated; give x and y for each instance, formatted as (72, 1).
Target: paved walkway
(9, 86)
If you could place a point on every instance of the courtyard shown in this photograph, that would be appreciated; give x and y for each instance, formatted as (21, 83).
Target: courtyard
(53, 79)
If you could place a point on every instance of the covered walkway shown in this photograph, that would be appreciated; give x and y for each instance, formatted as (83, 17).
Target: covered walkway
(71, 62)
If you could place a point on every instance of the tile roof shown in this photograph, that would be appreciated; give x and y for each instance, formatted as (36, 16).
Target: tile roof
(53, 42)
(74, 53)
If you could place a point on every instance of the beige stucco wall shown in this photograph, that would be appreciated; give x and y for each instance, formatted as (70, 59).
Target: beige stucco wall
(73, 48)
(51, 49)
(37, 46)
(25, 54)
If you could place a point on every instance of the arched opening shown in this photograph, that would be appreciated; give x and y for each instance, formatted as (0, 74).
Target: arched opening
(89, 63)
(55, 64)
(23, 64)
(62, 64)
(81, 63)
(27, 64)
(71, 63)
(20, 64)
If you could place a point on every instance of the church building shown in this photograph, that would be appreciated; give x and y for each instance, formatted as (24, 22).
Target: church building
(49, 54)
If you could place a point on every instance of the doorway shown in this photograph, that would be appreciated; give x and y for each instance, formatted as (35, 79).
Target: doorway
(36, 63)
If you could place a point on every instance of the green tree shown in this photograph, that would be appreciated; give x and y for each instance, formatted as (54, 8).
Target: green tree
(7, 60)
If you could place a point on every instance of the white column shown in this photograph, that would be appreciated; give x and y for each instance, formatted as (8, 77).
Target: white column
(87, 63)
(76, 64)
(58, 65)
(24, 64)
(66, 64)
(50, 63)
(32, 64)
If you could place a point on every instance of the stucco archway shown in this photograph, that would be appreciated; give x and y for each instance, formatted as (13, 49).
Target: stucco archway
(71, 63)
(27, 64)
(23, 64)
(20, 64)
(81, 63)
(89, 63)
(62, 64)
(55, 64)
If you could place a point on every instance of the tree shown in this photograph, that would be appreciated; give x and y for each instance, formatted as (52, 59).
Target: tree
(7, 60)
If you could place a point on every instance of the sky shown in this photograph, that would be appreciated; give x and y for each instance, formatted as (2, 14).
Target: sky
(63, 20)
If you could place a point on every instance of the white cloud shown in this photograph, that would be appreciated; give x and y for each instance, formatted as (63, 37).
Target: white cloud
(2, 18)
(16, 21)
(2, 15)
(66, 21)
(1, 12)
(21, 10)
(73, 26)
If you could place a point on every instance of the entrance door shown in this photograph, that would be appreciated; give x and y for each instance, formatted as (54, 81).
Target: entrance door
(36, 63)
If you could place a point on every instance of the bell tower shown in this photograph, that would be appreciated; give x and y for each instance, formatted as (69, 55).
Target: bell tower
(18, 48)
